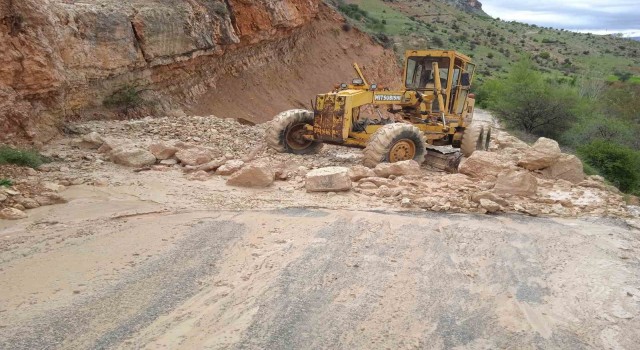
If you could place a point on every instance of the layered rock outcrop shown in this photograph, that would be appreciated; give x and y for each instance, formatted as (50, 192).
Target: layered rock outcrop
(64, 58)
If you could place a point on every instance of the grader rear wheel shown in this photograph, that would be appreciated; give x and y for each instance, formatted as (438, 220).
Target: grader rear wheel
(472, 139)
(285, 132)
(393, 143)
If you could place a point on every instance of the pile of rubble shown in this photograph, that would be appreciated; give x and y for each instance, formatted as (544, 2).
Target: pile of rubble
(27, 192)
(511, 177)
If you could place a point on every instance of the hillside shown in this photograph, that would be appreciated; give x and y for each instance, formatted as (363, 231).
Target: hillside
(246, 59)
(493, 43)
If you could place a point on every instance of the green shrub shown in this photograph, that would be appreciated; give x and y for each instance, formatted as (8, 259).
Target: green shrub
(28, 158)
(220, 9)
(6, 183)
(618, 164)
(127, 97)
(544, 55)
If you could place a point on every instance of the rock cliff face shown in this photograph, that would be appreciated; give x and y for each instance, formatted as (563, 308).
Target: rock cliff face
(62, 58)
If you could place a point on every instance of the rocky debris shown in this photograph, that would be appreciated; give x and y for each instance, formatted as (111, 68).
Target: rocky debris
(542, 154)
(92, 140)
(256, 174)
(199, 175)
(50, 198)
(405, 167)
(230, 167)
(567, 167)
(503, 140)
(328, 179)
(162, 151)
(169, 162)
(358, 172)
(478, 196)
(194, 156)
(489, 205)
(108, 145)
(482, 164)
(518, 183)
(12, 214)
(132, 156)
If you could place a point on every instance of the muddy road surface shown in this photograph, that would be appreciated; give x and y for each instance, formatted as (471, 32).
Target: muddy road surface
(318, 279)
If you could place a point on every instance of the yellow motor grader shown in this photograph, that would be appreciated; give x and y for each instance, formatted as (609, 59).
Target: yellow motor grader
(435, 107)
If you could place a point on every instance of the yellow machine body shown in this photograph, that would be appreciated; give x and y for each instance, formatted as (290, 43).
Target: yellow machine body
(435, 98)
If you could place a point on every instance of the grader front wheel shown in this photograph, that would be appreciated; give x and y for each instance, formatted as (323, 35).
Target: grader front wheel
(393, 143)
(472, 139)
(285, 132)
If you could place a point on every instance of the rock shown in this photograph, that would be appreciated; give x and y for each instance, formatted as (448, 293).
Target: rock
(256, 174)
(328, 179)
(199, 175)
(358, 172)
(568, 167)
(50, 198)
(384, 191)
(132, 156)
(427, 202)
(194, 156)
(162, 151)
(92, 140)
(405, 167)
(541, 155)
(12, 214)
(230, 167)
(169, 162)
(477, 196)
(489, 205)
(212, 165)
(378, 181)
(52, 186)
(28, 203)
(514, 182)
(3, 197)
(405, 202)
(100, 182)
(367, 186)
(482, 164)
(109, 145)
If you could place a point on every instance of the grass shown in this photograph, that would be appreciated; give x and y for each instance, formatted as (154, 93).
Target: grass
(496, 44)
(6, 183)
(29, 158)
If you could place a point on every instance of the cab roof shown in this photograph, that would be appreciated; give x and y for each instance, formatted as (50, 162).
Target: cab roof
(437, 53)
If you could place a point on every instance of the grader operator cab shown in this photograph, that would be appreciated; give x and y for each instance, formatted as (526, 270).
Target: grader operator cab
(434, 107)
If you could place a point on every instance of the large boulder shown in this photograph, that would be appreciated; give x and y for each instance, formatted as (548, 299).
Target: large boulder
(12, 214)
(541, 155)
(516, 182)
(358, 172)
(329, 179)
(162, 151)
(253, 175)
(405, 167)
(567, 167)
(132, 156)
(194, 156)
(482, 164)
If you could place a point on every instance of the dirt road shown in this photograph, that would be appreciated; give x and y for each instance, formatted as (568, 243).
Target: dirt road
(131, 275)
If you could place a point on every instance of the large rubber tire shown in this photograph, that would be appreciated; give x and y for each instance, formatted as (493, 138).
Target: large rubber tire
(283, 124)
(472, 139)
(384, 139)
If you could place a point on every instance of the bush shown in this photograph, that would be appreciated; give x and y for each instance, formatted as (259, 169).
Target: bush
(6, 183)
(526, 101)
(28, 158)
(220, 9)
(618, 164)
(127, 97)
(544, 55)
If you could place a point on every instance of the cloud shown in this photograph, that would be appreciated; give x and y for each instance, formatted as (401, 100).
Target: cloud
(602, 16)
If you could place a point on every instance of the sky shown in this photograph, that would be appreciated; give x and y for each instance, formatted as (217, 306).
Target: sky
(594, 16)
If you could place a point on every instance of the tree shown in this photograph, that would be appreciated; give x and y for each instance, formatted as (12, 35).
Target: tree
(527, 102)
